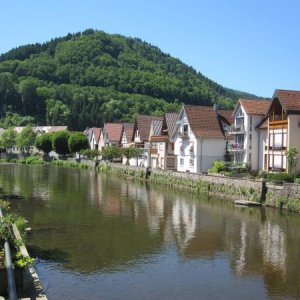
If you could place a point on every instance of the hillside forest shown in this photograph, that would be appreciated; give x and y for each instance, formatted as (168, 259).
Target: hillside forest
(88, 78)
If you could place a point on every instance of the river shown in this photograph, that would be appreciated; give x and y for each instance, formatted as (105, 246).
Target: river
(101, 237)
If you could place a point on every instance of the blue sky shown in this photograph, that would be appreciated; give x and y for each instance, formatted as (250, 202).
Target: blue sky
(252, 46)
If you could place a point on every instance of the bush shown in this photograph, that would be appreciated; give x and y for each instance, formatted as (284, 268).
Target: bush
(218, 166)
(89, 153)
(60, 142)
(280, 177)
(77, 141)
(44, 142)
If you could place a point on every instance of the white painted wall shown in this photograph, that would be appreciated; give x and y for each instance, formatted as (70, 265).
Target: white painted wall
(294, 136)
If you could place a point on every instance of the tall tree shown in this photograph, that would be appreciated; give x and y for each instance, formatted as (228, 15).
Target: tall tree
(8, 138)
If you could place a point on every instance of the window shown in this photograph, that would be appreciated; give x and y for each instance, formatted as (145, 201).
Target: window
(191, 162)
(182, 161)
(250, 123)
(185, 129)
(249, 158)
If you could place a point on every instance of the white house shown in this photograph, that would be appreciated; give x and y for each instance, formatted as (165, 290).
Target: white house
(199, 138)
(282, 130)
(247, 141)
(141, 133)
(162, 143)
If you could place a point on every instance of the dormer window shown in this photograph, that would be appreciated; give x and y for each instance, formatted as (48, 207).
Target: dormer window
(185, 129)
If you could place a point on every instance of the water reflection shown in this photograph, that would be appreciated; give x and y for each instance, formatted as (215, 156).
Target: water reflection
(95, 224)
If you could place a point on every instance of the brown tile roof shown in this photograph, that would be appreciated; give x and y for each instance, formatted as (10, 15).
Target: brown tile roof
(143, 124)
(97, 132)
(128, 129)
(227, 114)
(170, 123)
(204, 121)
(290, 100)
(113, 131)
(255, 107)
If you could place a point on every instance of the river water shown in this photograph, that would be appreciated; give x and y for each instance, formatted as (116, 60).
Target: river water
(101, 237)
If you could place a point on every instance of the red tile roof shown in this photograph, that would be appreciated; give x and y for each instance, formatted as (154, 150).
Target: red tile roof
(290, 100)
(128, 129)
(97, 132)
(255, 107)
(143, 125)
(204, 121)
(113, 131)
(227, 114)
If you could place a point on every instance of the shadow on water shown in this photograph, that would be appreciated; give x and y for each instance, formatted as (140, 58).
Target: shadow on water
(53, 254)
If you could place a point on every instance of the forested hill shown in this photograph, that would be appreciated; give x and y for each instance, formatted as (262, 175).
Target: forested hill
(88, 78)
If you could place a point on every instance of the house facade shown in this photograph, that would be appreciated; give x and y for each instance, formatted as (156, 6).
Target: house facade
(141, 134)
(283, 130)
(245, 146)
(94, 138)
(162, 143)
(110, 135)
(199, 138)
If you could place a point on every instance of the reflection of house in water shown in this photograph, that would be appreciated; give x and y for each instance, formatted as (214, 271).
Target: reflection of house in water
(184, 222)
(274, 246)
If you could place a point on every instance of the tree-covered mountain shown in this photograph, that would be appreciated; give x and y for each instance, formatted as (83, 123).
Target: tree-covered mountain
(87, 78)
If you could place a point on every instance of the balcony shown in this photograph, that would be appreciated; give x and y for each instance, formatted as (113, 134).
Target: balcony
(236, 147)
(153, 151)
(238, 129)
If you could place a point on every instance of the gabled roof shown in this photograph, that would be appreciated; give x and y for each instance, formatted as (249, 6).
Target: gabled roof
(96, 131)
(143, 125)
(290, 100)
(113, 131)
(170, 123)
(128, 129)
(204, 121)
(155, 128)
(254, 107)
(228, 115)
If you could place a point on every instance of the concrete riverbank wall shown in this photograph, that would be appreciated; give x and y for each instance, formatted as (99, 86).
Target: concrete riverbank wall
(286, 196)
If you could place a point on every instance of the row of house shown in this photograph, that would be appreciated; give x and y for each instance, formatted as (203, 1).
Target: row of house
(256, 132)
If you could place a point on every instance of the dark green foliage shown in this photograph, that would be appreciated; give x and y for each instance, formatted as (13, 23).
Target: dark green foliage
(44, 142)
(93, 77)
(111, 152)
(131, 153)
(60, 142)
(89, 153)
(77, 141)
(8, 138)
(280, 177)
(14, 119)
(26, 137)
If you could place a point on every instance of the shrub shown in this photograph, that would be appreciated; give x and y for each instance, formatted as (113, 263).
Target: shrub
(218, 166)
(60, 142)
(44, 142)
(280, 177)
(77, 141)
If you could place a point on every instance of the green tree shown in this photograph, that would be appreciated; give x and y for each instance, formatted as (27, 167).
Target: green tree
(291, 156)
(111, 152)
(77, 141)
(13, 119)
(131, 153)
(26, 138)
(60, 142)
(57, 113)
(8, 138)
(44, 142)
